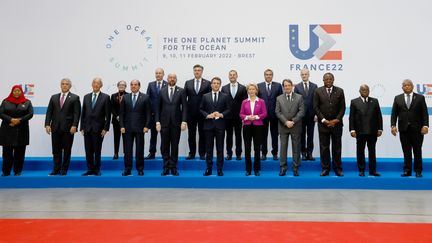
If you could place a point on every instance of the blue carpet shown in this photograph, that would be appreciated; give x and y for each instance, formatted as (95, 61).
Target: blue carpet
(36, 170)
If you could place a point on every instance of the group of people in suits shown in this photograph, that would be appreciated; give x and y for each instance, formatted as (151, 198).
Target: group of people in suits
(247, 112)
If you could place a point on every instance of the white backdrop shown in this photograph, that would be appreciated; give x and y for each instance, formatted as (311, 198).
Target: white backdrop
(382, 43)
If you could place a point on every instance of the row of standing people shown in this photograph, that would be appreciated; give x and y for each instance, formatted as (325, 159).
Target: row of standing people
(288, 111)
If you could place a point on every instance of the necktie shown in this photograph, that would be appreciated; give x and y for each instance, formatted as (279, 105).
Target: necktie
(289, 97)
(408, 101)
(171, 94)
(215, 98)
(158, 86)
(134, 100)
(233, 90)
(328, 92)
(306, 89)
(62, 100)
(197, 86)
(94, 101)
(268, 89)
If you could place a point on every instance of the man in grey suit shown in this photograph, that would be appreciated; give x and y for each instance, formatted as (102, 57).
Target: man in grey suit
(289, 111)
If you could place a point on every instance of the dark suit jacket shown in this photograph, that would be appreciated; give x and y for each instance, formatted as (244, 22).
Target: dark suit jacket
(416, 116)
(329, 108)
(154, 95)
(171, 113)
(238, 99)
(62, 119)
(134, 119)
(276, 90)
(97, 119)
(194, 99)
(308, 99)
(365, 118)
(115, 105)
(208, 106)
(18, 135)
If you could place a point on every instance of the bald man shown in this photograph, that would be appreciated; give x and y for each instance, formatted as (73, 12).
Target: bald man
(410, 111)
(365, 123)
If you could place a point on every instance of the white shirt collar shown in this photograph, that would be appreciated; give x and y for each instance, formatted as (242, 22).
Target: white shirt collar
(256, 99)
(65, 94)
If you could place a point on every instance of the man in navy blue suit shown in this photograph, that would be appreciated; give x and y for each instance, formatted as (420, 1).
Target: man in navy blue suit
(307, 89)
(269, 91)
(195, 89)
(95, 123)
(215, 106)
(153, 90)
(135, 112)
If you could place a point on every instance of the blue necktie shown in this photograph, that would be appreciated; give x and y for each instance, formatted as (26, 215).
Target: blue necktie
(158, 86)
(134, 100)
(94, 101)
(197, 86)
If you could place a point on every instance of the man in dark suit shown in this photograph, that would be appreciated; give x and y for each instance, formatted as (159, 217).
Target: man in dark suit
(61, 121)
(135, 112)
(329, 106)
(170, 121)
(410, 111)
(238, 93)
(215, 106)
(95, 123)
(269, 91)
(153, 90)
(195, 89)
(365, 124)
(307, 89)
(116, 99)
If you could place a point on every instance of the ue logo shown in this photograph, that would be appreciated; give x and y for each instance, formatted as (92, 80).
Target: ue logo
(425, 89)
(28, 89)
(316, 33)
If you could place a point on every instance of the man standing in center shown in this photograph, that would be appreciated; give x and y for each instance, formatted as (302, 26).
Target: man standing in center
(269, 91)
(329, 106)
(170, 121)
(153, 90)
(195, 89)
(307, 89)
(238, 93)
(290, 111)
(135, 112)
(215, 106)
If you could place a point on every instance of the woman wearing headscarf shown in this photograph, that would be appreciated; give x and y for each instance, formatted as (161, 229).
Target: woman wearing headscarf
(15, 112)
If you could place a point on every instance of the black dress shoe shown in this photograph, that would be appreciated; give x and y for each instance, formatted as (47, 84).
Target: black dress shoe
(126, 173)
(140, 173)
(361, 173)
(339, 173)
(257, 173)
(275, 157)
(238, 157)
(115, 156)
(87, 173)
(374, 174)
(174, 172)
(324, 173)
(248, 173)
(228, 157)
(406, 174)
(304, 157)
(190, 156)
(53, 173)
(97, 173)
(63, 173)
(150, 156)
(220, 173)
(282, 172)
(310, 157)
(207, 172)
(295, 173)
(17, 174)
(263, 157)
(202, 157)
(419, 174)
(9, 174)
(165, 172)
